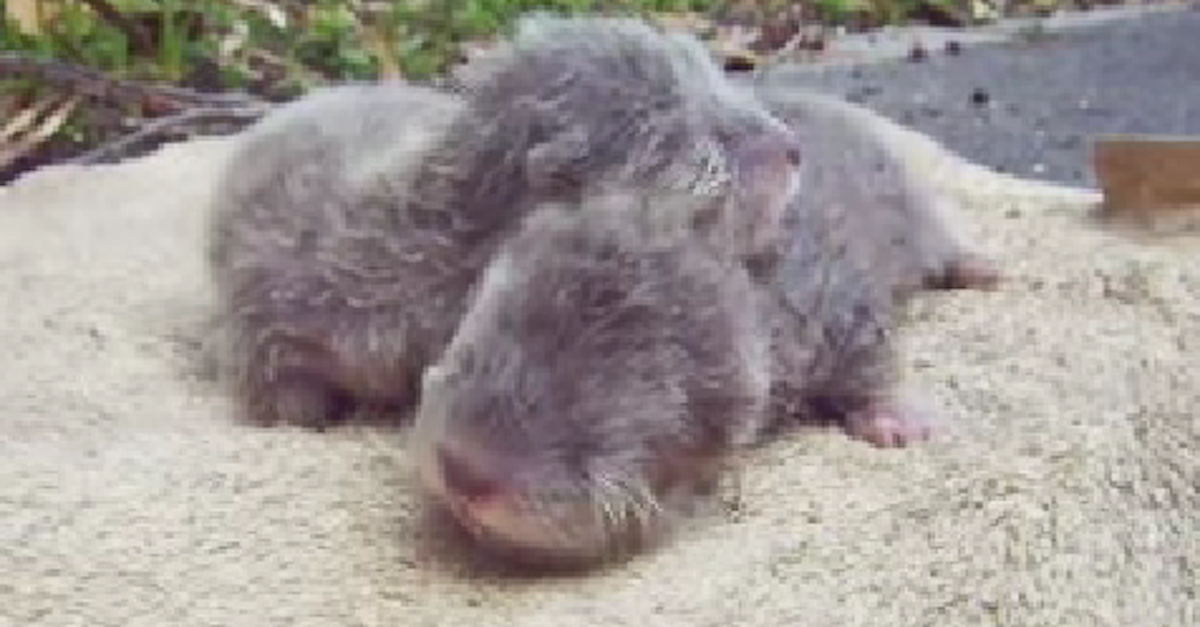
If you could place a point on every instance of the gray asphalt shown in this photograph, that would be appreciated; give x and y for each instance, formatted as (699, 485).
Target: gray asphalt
(1031, 107)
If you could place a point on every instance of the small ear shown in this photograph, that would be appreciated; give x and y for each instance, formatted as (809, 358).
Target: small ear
(766, 169)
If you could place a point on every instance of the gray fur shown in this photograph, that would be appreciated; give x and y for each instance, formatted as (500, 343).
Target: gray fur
(326, 285)
(606, 364)
(351, 225)
(855, 173)
(863, 232)
(572, 103)
(831, 315)
(863, 235)
(551, 409)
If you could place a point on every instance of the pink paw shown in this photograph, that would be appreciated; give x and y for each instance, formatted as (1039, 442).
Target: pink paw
(972, 272)
(891, 423)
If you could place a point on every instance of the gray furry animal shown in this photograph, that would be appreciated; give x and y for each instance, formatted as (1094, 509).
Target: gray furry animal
(865, 233)
(351, 225)
(855, 172)
(572, 103)
(548, 437)
(832, 313)
(608, 361)
(314, 310)
(346, 272)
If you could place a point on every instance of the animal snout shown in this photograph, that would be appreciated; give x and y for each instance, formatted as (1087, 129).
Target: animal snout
(468, 479)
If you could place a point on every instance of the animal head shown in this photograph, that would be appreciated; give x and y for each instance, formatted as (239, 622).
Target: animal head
(598, 376)
(575, 102)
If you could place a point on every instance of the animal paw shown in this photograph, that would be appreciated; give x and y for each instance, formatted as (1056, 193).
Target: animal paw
(299, 401)
(891, 423)
(968, 272)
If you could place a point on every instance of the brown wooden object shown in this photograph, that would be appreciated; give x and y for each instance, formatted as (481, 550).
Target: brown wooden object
(1144, 177)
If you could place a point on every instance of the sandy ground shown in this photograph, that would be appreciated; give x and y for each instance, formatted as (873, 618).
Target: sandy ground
(1063, 492)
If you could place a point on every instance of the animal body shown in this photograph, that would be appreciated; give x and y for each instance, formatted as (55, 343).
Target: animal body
(607, 364)
(552, 436)
(865, 233)
(856, 174)
(350, 227)
(361, 232)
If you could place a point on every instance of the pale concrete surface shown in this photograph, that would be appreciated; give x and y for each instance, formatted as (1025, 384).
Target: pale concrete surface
(1064, 493)
(1030, 107)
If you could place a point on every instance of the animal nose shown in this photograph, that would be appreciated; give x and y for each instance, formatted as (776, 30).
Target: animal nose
(465, 478)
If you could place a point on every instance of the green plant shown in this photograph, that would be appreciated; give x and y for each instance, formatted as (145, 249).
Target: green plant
(224, 44)
(171, 45)
(838, 11)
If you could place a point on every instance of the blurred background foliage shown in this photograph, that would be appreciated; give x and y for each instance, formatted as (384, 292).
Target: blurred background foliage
(275, 49)
(221, 44)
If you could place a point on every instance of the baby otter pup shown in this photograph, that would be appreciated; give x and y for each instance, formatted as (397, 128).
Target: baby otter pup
(849, 248)
(609, 358)
(349, 227)
(857, 176)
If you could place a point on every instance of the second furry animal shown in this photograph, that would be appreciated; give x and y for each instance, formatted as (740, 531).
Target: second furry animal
(857, 179)
(345, 241)
(608, 362)
(864, 234)
(601, 375)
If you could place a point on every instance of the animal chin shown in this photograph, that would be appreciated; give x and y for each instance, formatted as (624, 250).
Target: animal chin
(510, 528)
(568, 533)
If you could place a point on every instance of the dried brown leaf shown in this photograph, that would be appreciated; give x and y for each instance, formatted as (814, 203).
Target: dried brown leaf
(26, 118)
(383, 47)
(14, 145)
(27, 14)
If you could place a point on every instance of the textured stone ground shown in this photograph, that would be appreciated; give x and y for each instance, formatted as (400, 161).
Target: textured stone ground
(1063, 493)
(1045, 98)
